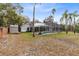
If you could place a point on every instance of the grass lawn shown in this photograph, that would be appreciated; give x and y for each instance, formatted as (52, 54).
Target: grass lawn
(52, 44)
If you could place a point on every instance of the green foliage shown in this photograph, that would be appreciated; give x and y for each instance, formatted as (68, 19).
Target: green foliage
(70, 21)
(77, 28)
(11, 14)
(53, 11)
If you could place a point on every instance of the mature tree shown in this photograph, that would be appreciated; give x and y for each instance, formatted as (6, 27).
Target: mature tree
(70, 21)
(61, 24)
(49, 21)
(53, 13)
(77, 26)
(9, 12)
(19, 9)
(2, 21)
(2, 14)
(65, 19)
(74, 16)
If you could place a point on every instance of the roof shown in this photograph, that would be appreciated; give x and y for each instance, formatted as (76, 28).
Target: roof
(39, 24)
(35, 24)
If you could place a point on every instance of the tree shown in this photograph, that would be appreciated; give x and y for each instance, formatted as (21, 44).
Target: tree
(74, 16)
(53, 13)
(2, 21)
(2, 15)
(8, 12)
(61, 24)
(70, 21)
(65, 19)
(49, 21)
(19, 10)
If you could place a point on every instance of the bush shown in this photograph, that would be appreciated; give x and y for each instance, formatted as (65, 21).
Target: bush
(77, 28)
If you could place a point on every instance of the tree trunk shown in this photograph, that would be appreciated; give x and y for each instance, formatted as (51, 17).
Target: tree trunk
(8, 29)
(1, 32)
(74, 31)
(74, 26)
(19, 28)
(66, 27)
(66, 31)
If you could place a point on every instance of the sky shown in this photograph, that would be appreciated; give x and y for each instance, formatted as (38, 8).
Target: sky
(43, 10)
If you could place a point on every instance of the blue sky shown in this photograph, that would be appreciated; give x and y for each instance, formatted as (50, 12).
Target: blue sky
(44, 10)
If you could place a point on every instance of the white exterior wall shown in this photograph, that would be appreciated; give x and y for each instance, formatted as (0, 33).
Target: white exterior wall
(24, 28)
(14, 29)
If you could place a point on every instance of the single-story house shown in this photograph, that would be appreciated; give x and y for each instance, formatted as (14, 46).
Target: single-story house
(25, 27)
(38, 27)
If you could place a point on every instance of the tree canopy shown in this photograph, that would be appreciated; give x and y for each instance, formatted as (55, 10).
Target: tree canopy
(10, 13)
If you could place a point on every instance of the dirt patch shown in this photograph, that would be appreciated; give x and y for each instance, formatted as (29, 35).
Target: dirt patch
(3, 32)
(14, 45)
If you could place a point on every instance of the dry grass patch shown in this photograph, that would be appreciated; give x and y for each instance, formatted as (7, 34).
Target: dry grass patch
(52, 44)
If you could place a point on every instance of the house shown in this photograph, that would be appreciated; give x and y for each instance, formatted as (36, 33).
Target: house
(38, 27)
(53, 26)
(41, 27)
(25, 27)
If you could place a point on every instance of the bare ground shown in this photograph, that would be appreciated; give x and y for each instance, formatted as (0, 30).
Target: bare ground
(13, 45)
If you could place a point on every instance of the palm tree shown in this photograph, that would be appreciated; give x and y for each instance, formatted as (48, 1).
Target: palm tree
(65, 18)
(70, 21)
(61, 23)
(53, 13)
(74, 16)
